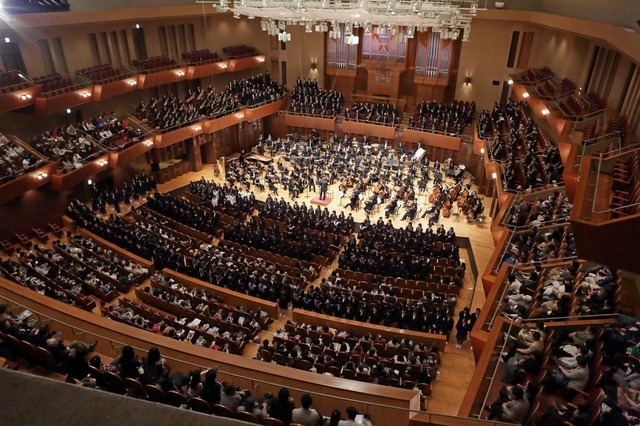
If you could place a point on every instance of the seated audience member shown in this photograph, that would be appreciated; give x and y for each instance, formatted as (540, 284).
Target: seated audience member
(514, 410)
(563, 378)
(305, 415)
(127, 363)
(352, 413)
(154, 368)
(230, 396)
(281, 407)
(334, 419)
(193, 386)
(254, 407)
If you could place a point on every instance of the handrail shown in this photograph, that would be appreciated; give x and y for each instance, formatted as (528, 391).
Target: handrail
(605, 155)
(626, 206)
(535, 262)
(504, 252)
(550, 222)
(306, 114)
(600, 138)
(497, 301)
(495, 369)
(436, 132)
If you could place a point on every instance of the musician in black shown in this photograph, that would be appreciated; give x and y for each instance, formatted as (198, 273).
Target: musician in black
(412, 208)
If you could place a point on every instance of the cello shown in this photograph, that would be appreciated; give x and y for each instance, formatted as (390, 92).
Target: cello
(434, 195)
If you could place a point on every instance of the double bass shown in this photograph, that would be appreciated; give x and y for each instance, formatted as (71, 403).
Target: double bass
(462, 201)
(446, 207)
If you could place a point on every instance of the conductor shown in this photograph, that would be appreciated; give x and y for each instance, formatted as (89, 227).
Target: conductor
(324, 185)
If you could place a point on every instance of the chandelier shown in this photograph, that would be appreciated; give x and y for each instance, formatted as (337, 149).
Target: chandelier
(451, 18)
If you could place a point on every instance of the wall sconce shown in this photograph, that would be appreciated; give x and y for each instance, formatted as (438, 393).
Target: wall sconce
(314, 66)
(132, 82)
(482, 151)
(467, 80)
(223, 65)
(180, 73)
(239, 116)
(525, 95)
(89, 182)
(148, 143)
(545, 111)
(197, 128)
(41, 176)
(102, 163)
(260, 59)
(25, 96)
(509, 82)
(494, 175)
(68, 110)
(7, 40)
(85, 95)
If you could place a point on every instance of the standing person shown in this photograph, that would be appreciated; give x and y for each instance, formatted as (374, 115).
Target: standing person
(211, 388)
(312, 183)
(284, 299)
(472, 321)
(462, 330)
(324, 185)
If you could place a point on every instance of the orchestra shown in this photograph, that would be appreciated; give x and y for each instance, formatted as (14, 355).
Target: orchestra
(368, 176)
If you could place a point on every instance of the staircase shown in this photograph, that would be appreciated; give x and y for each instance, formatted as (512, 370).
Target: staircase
(467, 133)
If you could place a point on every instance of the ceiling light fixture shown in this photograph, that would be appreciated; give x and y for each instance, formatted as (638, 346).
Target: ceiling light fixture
(453, 17)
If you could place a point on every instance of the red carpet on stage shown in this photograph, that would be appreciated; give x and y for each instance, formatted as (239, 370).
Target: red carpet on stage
(324, 203)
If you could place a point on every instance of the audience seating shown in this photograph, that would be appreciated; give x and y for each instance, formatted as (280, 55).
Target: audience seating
(239, 51)
(625, 187)
(374, 112)
(201, 57)
(154, 64)
(530, 159)
(534, 75)
(15, 161)
(308, 98)
(535, 210)
(102, 74)
(56, 84)
(69, 147)
(447, 118)
(24, 274)
(110, 131)
(11, 81)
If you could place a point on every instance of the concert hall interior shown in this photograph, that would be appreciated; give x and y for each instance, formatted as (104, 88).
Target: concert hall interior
(416, 212)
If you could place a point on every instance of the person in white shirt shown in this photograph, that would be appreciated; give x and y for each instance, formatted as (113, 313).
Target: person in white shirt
(306, 415)
(352, 413)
